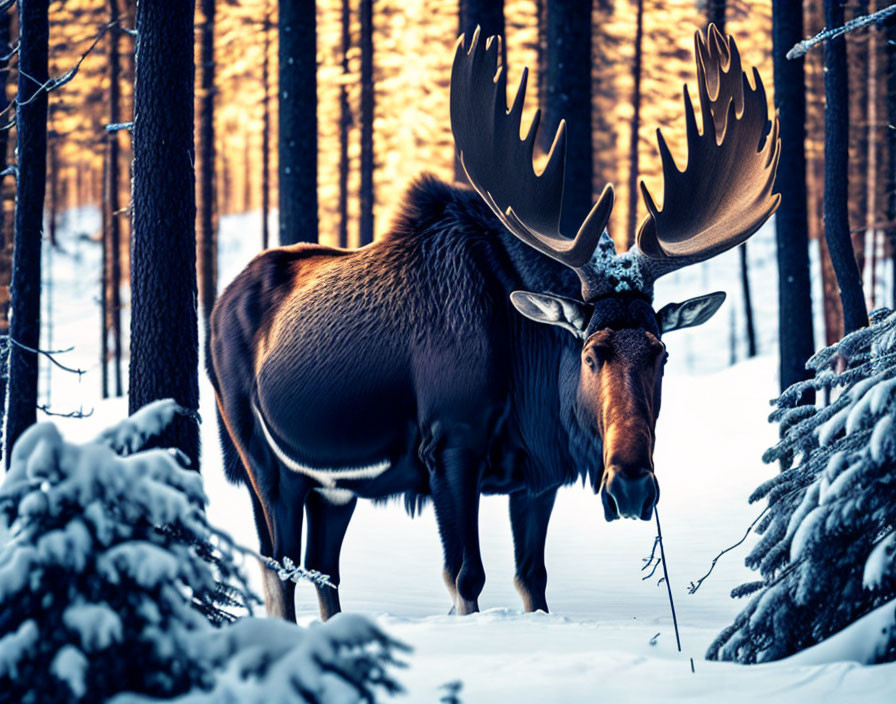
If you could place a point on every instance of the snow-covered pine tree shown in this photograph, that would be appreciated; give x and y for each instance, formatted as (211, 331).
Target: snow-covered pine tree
(111, 586)
(829, 535)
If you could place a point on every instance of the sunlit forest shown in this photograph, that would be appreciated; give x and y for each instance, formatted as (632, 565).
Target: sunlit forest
(299, 342)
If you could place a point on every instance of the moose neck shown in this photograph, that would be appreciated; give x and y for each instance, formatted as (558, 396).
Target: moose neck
(545, 370)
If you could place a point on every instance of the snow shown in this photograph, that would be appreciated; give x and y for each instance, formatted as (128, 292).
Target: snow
(876, 564)
(70, 666)
(15, 646)
(97, 625)
(596, 642)
(860, 642)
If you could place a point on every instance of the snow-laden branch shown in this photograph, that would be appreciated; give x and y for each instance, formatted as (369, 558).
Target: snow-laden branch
(801, 48)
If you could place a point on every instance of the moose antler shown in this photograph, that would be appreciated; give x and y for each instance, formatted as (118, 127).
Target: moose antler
(720, 199)
(725, 193)
(499, 164)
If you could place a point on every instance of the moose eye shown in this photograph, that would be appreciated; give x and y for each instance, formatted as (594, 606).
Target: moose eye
(589, 360)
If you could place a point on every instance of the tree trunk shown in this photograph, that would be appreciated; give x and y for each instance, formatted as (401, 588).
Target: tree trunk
(31, 148)
(795, 337)
(891, 152)
(634, 127)
(488, 15)
(715, 13)
(568, 96)
(345, 122)
(265, 131)
(164, 331)
(859, 174)
(367, 116)
(836, 143)
(5, 229)
(298, 122)
(206, 232)
(113, 204)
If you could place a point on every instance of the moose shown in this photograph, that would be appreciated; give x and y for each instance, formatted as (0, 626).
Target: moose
(476, 348)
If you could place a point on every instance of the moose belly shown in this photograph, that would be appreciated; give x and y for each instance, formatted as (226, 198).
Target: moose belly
(333, 420)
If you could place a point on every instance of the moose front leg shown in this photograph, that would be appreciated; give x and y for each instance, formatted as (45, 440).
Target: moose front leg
(455, 466)
(529, 516)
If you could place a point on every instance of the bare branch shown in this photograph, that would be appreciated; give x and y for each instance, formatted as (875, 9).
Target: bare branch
(49, 355)
(694, 586)
(119, 126)
(71, 414)
(801, 48)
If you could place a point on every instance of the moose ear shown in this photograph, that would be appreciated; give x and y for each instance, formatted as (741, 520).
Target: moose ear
(566, 313)
(694, 311)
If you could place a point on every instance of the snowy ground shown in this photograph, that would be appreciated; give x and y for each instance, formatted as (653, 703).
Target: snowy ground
(596, 643)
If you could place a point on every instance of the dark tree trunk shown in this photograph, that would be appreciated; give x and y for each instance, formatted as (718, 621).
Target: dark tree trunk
(247, 175)
(367, 115)
(53, 195)
(113, 205)
(345, 122)
(265, 131)
(857, 45)
(795, 336)
(298, 122)
(891, 151)
(164, 333)
(715, 13)
(5, 229)
(31, 148)
(568, 96)
(634, 127)
(836, 144)
(206, 232)
(488, 15)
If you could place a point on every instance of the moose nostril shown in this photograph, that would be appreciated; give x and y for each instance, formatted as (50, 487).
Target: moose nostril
(629, 498)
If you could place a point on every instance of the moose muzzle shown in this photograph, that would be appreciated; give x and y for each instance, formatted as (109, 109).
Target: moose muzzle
(627, 496)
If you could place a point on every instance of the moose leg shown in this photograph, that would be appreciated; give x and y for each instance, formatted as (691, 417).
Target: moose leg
(529, 516)
(455, 476)
(286, 518)
(327, 523)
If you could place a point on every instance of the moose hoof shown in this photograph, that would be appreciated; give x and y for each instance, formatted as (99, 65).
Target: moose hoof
(467, 606)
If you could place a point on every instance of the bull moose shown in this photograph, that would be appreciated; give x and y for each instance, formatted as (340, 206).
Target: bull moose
(475, 348)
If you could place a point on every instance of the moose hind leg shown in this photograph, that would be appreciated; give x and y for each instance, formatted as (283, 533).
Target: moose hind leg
(286, 510)
(327, 523)
(455, 482)
(529, 516)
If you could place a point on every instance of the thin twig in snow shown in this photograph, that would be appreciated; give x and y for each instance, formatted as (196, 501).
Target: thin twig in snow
(694, 586)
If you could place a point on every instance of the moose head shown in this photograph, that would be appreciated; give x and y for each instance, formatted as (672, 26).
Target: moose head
(716, 203)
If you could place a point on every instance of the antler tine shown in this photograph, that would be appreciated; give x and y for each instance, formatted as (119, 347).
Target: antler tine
(499, 163)
(725, 193)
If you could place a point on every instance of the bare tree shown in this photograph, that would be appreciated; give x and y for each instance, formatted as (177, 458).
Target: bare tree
(836, 141)
(164, 331)
(795, 335)
(633, 166)
(112, 200)
(367, 115)
(207, 236)
(265, 128)
(298, 121)
(568, 96)
(31, 141)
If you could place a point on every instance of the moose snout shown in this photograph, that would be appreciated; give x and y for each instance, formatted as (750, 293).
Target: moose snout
(625, 495)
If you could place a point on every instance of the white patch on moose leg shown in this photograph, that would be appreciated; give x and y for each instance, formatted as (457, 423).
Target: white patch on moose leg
(336, 497)
(325, 476)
